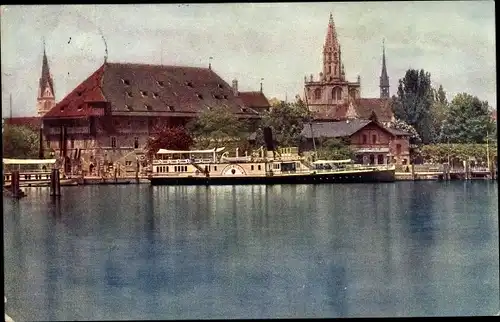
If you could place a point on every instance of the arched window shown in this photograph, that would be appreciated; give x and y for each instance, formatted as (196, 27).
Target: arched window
(329, 69)
(317, 93)
(337, 94)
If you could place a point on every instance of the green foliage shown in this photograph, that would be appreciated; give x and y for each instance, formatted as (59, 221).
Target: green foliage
(439, 110)
(215, 126)
(438, 153)
(467, 121)
(334, 149)
(20, 142)
(413, 102)
(287, 121)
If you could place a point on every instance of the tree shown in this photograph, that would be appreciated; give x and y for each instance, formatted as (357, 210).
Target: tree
(20, 142)
(334, 149)
(439, 109)
(413, 102)
(172, 138)
(286, 121)
(403, 126)
(217, 125)
(467, 121)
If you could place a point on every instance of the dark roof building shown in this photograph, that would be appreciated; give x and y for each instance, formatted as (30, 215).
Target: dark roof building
(153, 90)
(345, 128)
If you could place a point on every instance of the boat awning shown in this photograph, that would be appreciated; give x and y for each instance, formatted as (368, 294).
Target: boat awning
(332, 161)
(164, 151)
(29, 161)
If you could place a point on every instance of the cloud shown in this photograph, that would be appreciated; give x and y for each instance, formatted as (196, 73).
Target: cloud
(280, 42)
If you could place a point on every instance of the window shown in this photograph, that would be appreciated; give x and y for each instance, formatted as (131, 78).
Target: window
(337, 93)
(129, 94)
(144, 93)
(220, 86)
(374, 138)
(243, 109)
(113, 142)
(258, 167)
(251, 167)
(128, 107)
(148, 107)
(155, 95)
(189, 84)
(215, 168)
(126, 82)
(170, 108)
(136, 142)
(398, 149)
(365, 139)
(160, 83)
(199, 96)
(380, 159)
(317, 93)
(128, 163)
(329, 69)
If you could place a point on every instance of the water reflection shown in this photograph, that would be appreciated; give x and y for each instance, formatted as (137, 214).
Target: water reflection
(142, 252)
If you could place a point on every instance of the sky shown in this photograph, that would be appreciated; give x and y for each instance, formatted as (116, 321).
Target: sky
(279, 42)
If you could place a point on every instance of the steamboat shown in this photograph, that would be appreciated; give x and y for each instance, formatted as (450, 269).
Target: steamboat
(283, 166)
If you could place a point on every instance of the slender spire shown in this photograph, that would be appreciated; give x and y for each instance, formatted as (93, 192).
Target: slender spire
(384, 78)
(331, 35)
(46, 78)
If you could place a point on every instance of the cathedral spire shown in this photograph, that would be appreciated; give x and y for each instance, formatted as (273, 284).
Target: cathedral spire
(332, 63)
(46, 79)
(384, 79)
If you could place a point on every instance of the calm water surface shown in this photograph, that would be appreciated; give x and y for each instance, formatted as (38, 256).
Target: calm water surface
(142, 252)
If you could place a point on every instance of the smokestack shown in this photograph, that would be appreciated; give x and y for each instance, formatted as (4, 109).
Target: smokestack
(235, 87)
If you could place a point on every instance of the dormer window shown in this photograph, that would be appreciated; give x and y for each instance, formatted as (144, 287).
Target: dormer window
(199, 96)
(155, 95)
(160, 83)
(79, 93)
(170, 108)
(128, 107)
(219, 86)
(62, 108)
(243, 109)
(126, 82)
(80, 107)
(129, 94)
(148, 107)
(144, 93)
(189, 84)
(225, 97)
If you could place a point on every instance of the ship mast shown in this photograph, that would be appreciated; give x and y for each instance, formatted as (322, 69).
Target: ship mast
(310, 123)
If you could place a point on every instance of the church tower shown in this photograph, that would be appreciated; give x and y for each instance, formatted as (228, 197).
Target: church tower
(46, 95)
(384, 79)
(332, 60)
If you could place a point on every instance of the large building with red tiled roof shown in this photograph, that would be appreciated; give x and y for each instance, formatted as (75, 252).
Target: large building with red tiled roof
(111, 114)
(333, 97)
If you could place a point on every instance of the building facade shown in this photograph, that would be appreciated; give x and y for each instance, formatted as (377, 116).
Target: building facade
(109, 116)
(333, 97)
(371, 141)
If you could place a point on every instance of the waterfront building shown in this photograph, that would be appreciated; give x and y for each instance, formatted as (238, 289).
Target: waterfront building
(371, 141)
(333, 97)
(110, 115)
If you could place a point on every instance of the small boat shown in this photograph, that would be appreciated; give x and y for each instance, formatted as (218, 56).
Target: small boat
(32, 172)
(285, 166)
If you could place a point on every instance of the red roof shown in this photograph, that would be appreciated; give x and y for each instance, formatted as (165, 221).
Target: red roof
(142, 88)
(75, 104)
(31, 122)
(254, 99)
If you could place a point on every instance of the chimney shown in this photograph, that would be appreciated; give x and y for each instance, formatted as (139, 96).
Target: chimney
(235, 87)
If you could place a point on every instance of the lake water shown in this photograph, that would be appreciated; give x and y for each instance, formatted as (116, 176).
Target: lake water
(340, 250)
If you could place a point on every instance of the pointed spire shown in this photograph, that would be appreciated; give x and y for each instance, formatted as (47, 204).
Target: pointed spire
(331, 35)
(384, 78)
(46, 78)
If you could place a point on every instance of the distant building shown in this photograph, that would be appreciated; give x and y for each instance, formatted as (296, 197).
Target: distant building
(333, 97)
(372, 142)
(46, 94)
(111, 114)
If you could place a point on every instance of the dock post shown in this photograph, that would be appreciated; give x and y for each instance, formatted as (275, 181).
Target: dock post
(446, 171)
(412, 167)
(15, 184)
(137, 172)
(55, 183)
(466, 170)
(116, 173)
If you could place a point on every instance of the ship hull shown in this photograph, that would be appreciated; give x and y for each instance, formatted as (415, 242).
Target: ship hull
(310, 178)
